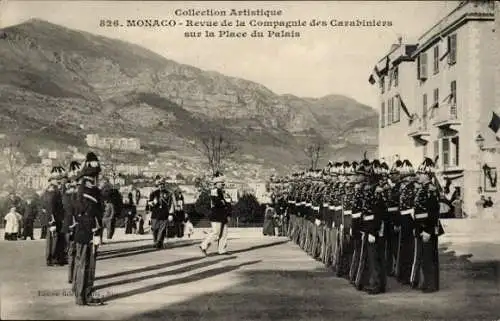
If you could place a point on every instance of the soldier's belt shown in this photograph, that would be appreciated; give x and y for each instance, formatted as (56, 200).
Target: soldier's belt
(356, 215)
(347, 212)
(291, 202)
(407, 212)
(421, 215)
(331, 207)
(393, 209)
(315, 208)
(308, 204)
(369, 218)
(325, 205)
(337, 208)
(302, 203)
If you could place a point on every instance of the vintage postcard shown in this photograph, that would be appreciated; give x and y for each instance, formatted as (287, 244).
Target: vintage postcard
(249, 160)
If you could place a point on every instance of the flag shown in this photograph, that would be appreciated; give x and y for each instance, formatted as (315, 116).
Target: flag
(403, 106)
(448, 45)
(372, 80)
(495, 124)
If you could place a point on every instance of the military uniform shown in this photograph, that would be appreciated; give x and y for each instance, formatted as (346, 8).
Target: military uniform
(54, 210)
(427, 230)
(150, 205)
(87, 231)
(406, 248)
(356, 236)
(161, 204)
(346, 239)
(179, 213)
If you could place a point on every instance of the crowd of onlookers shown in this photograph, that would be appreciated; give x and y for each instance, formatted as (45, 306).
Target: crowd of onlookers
(21, 216)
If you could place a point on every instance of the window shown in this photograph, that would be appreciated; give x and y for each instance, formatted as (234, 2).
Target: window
(382, 116)
(455, 142)
(453, 92)
(389, 111)
(382, 84)
(422, 66)
(436, 59)
(436, 149)
(397, 109)
(452, 49)
(451, 152)
(436, 98)
(396, 76)
(424, 111)
(446, 152)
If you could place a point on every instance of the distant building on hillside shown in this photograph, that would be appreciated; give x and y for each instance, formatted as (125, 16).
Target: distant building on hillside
(116, 143)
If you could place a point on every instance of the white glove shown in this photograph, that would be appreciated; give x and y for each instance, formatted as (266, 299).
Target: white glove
(350, 231)
(317, 222)
(96, 240)
(371, 238)
(425, 236)
(170, 218)
(52, 228)
(397, 228)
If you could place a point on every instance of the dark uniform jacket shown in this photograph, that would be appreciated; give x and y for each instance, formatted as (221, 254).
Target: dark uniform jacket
(53, 206)
(89, 212)
(161, 204)
(68, 200)
(347, 203)
(427, 210)
(220, 207)
(357, 209)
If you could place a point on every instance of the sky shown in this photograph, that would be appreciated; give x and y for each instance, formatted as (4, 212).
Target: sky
(322, 61)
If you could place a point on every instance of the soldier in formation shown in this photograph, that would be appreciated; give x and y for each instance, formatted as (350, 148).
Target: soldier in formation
(367, 221)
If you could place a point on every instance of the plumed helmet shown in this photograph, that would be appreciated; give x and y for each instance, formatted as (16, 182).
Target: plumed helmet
(91, 166)
(427, 166)
(406, 168)
(74, 167)
(57, 173)
(384, 168)
(218, 178)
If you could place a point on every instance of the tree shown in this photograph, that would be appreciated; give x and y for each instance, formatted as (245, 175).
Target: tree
(314, 150)
(13, 161)
(217, 146)
(248, 209)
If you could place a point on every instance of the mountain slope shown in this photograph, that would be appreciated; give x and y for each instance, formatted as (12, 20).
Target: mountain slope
(113, 87)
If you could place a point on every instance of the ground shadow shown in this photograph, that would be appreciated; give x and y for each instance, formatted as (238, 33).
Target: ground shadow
(150, 268)
(164, 273)
(257, 247)
(142, 249)
(191, 278)
(127, 241)
(315, 295)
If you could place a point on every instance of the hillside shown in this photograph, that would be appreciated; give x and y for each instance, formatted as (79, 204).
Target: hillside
(93, 84)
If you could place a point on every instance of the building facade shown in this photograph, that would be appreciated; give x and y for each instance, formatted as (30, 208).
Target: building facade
(116, 143)
(437, 97)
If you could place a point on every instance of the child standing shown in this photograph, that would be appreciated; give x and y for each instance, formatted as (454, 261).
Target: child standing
(12, 224)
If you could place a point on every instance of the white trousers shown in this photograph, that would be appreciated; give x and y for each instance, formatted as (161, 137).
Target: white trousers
(218, 232)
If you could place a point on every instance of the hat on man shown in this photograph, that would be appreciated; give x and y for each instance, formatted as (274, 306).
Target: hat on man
(218, 178)
(91, 166)
(74, 167)
(57, 173)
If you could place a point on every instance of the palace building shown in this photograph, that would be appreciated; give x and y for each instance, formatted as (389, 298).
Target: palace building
(437, 100)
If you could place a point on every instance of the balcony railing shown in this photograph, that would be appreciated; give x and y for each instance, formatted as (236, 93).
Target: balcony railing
(418, 128)
(446, 115)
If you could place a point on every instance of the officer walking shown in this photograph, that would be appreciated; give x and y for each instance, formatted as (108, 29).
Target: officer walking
(220, 214)
(161, 204)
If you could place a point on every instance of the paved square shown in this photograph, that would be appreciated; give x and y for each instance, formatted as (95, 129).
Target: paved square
(263, 279)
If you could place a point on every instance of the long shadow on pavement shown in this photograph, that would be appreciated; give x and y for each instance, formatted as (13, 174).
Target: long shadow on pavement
(165, 273)
(257, 247)
(150, 268)
(191, 278)
(126, 252)
(314, 295)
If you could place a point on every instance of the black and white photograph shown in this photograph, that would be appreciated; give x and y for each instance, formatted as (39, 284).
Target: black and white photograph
(249, 160)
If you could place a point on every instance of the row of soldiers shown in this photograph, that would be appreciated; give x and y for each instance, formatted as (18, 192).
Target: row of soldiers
(367, 221)
(74, 203)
